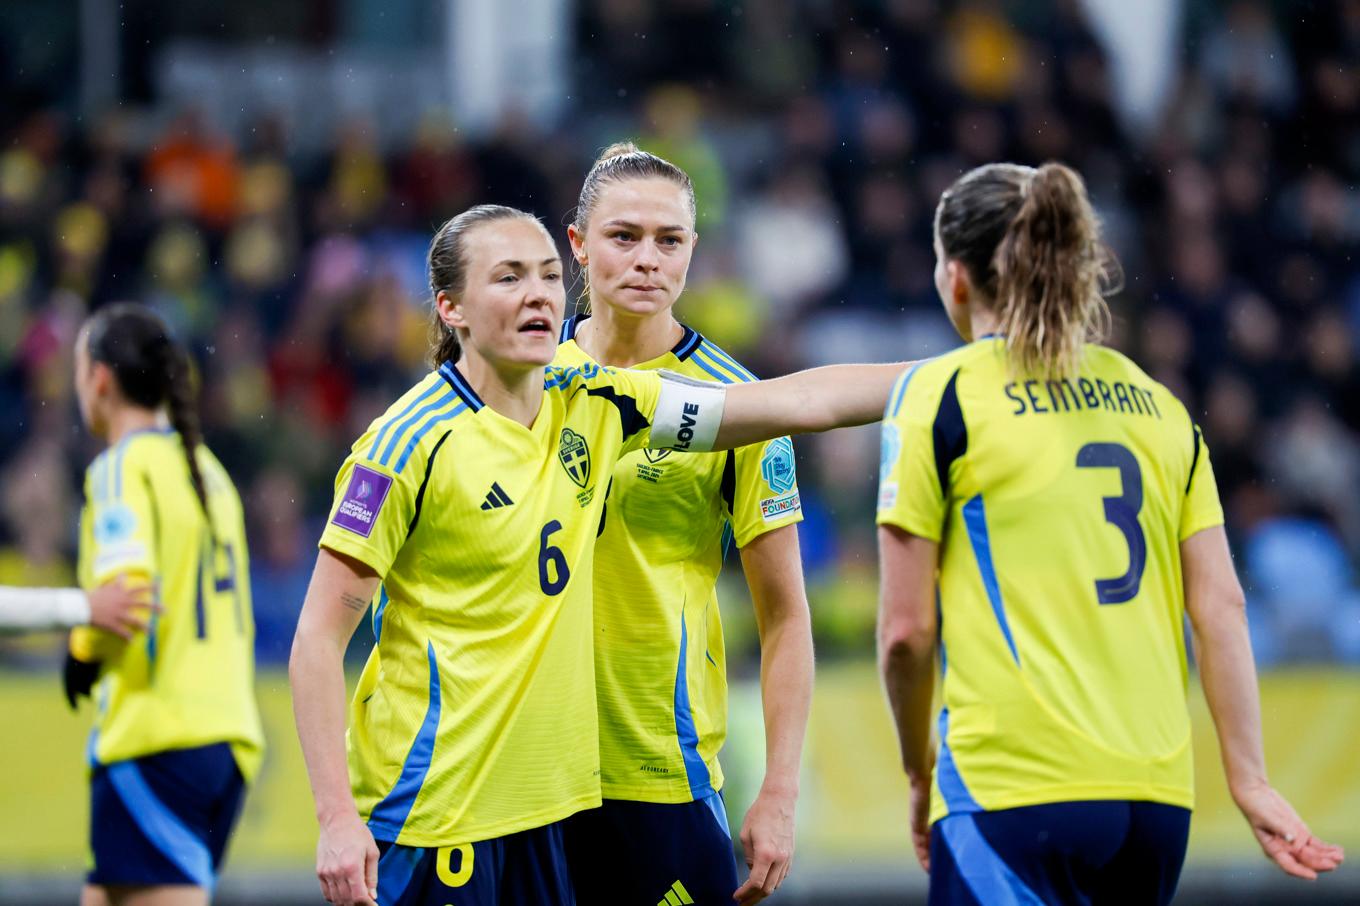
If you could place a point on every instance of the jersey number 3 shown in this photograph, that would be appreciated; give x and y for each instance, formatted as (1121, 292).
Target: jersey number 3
(1122, 512)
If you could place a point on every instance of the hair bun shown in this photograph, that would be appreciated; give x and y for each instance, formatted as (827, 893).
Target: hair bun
(618, 149)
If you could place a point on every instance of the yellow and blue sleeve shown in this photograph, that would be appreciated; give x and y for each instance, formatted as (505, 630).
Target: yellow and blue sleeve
(910, 495)
(634, 395)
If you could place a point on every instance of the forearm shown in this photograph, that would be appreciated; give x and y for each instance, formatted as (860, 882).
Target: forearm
(786, 671)
(1228, 674)
(316, 673)
(37, 609)
(908, 672)
(806, 402)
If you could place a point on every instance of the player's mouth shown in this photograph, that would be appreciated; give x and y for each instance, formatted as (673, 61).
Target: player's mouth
(536, 325)
(645, 288)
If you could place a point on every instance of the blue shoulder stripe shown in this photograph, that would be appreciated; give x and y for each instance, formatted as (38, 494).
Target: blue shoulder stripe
(723, 358)
(422, 431)
(377, 442)
(699, 359)
(895, 404)
(448, 398)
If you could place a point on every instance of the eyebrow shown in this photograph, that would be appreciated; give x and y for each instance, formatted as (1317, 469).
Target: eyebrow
(627, 224)
(518, 265)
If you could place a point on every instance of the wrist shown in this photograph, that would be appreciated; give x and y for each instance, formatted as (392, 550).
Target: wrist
(334, 813)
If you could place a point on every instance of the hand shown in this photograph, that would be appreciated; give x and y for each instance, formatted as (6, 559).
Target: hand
(347, 862)
(920, 820)
(78, 678)
(121, 607)
(767, 840)
(1282, 834)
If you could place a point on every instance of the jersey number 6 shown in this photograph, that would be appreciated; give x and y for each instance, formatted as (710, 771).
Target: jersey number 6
(1122, 512)
(547, 554)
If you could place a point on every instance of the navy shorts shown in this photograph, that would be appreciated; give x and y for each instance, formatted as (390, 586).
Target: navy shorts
(528, 867)
(1060, 853)
(164, 818)
(653, 853)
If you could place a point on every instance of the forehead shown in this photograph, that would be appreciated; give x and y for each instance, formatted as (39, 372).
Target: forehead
(515, 239)
(643, 201)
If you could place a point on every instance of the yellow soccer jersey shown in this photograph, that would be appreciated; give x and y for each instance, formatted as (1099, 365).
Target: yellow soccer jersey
(1059, 507)
(660, 669)
(190, 679)
(475, 716)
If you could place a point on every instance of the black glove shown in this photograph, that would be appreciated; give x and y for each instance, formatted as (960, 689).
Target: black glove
(78, 678)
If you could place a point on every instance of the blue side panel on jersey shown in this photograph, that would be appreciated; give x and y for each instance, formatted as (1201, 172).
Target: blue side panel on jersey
(722, 358)
(421, 432)
(975, 517)
(700, 783)
(378, 613)
(162, 826)
(987, 875)
(715, 804)
(895, 404)
(952, 788)
(377, 442)
(395, 869)
(411, 421)
(389, 816)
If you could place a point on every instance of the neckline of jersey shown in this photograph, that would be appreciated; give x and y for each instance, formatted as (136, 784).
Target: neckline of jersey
(683, 349)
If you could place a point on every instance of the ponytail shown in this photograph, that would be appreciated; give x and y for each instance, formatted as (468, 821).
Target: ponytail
(1030, 242)
(152, 370)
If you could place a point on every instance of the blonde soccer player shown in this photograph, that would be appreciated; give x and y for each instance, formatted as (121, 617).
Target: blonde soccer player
(466, 516)
(176, 734)
(1062, 505)
(661, 677)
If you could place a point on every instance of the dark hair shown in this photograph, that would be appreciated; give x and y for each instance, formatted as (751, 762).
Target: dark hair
(447, 263)
(152, 370)
(1030, 242)
(622, 161)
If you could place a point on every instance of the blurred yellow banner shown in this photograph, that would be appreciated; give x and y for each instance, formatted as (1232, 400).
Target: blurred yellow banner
(853, 805)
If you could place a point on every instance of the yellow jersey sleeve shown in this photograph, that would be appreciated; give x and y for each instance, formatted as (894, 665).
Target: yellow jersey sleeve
(764, 493)
(122, 520)
(910, 493)
(1202, 508)
(634, 395)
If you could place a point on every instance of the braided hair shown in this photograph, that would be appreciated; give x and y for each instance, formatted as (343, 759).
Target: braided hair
(152, 370)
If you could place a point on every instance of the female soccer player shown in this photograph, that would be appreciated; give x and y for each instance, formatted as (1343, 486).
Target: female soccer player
(467, 515)
(660, 670)
(176, 735)
(1068, 503)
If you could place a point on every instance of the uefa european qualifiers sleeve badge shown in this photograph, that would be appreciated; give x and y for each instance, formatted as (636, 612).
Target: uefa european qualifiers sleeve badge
(776, 467)
(574, 454)
(363, 499)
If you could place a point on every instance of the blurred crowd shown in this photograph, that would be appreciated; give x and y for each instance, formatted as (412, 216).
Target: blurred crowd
(819, 136)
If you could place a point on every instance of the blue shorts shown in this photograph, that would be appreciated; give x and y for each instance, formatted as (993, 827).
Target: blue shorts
(528, 867)
(647, 852)
(1059, 853)
(164, 818)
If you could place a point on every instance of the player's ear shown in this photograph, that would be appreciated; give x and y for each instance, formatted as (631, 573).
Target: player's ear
(450, 309)
(960, 287)
(578, 244)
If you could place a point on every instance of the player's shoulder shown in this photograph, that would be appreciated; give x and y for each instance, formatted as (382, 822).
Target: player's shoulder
(1111, 364)
(921, 384)
(420, 418)
(699, 357)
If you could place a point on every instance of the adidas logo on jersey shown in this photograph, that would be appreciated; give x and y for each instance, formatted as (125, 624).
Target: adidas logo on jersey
(496, 498)
(676, 896)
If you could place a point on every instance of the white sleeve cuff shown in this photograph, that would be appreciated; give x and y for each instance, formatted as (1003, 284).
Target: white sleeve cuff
(688, 414)
(36, 609)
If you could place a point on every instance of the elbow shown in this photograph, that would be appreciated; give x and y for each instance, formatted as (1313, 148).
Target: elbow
(905, 644)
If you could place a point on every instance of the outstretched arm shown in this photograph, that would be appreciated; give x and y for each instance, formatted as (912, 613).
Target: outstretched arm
(1218, 617)
(119, 606)
(806, 402)
(906, 661)
(337, 598)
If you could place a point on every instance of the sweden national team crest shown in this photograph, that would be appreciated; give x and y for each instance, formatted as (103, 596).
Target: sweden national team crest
(575, 457)
(656, 455)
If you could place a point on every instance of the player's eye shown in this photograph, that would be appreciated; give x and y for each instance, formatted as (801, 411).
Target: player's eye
(623, 236)
(507, 278)
(671, 241)
(553, 276)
